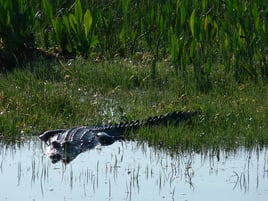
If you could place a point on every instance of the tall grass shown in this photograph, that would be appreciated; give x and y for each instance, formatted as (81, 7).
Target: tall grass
(203, 35)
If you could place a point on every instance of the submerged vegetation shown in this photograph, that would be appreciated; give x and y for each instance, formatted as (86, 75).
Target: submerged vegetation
(101, 62)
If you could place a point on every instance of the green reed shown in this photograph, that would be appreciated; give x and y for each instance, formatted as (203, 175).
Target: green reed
(202, 35)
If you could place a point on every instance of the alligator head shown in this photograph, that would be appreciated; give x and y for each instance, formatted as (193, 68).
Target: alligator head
(65, 145)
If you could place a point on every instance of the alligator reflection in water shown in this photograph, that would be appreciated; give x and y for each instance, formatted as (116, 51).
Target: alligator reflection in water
(133, 171)
(65, 145)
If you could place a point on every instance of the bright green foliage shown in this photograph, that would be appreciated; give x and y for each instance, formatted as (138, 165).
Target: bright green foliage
(191, 34)
(47, 9)
(17, 23)
(73, 31)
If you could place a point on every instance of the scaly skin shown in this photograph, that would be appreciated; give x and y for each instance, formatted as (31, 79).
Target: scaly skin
(66, 144)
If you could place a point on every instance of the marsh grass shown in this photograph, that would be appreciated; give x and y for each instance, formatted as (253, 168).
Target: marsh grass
(48, 95)
(194, 34)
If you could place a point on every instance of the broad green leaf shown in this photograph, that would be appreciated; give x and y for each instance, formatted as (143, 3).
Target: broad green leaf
(48, 9)
(57, 25)
(256, 17)
(78, 11)
(208, 67)
(192, 23)
(206, 22)
(73, 22)
(125, 4)
(174, 47)
(8, 18)
(87, 22)
(122, 34)
(204, 4)
(192, 48)
(183, 13)
(94, 41)
(226, 41)
(66, 23)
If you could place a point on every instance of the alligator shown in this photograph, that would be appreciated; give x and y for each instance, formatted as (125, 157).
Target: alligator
(66, 144)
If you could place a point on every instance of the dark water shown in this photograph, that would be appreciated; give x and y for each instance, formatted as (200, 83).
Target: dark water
(130, 171)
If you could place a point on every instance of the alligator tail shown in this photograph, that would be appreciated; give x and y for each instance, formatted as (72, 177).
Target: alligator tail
(169, 118)
(172, 118)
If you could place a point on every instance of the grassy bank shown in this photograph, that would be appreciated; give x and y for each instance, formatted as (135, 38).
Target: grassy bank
(49, 95)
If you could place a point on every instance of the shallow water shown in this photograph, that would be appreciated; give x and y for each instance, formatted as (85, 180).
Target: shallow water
(132, 171)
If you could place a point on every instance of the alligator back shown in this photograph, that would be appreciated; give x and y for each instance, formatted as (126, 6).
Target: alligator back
(66, 144)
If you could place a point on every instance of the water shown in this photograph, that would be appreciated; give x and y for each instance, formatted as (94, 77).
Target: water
(131, 171)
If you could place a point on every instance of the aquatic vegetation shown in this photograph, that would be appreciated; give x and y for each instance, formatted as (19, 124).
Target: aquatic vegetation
(201, 35)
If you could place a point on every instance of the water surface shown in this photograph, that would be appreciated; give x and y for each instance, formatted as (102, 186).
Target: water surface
(132, 171)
